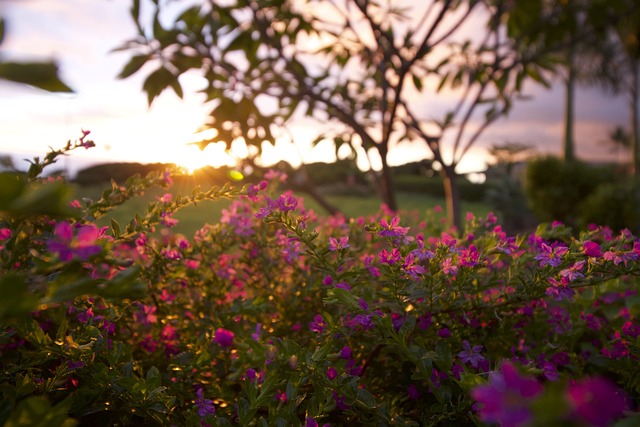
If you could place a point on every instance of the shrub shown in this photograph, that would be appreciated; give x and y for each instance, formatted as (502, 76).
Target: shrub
(556, 188)
(614, 204)
(433, 186)
(274, 316)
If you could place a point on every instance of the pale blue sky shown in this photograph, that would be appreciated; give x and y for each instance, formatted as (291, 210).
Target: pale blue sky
(80, 33)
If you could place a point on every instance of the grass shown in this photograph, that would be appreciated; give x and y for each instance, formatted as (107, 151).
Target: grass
(194, 217)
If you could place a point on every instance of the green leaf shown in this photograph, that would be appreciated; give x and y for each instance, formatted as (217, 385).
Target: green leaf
(11, 186)
(37, 412)
(16, 299)
(417, 82)
(366, 399)
(43, 199)
(115, 227)
(133, 66)
(157, 82)
(43, 75)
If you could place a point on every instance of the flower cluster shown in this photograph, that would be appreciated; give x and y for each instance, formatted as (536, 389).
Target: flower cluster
(276, 316)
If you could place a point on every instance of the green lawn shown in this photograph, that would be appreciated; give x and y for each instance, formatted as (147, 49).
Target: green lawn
(194, 217)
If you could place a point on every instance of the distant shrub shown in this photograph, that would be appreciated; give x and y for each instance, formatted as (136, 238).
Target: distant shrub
(555, 189)
(614, 204)
(102, 173)
(433, 186)
(341, 171)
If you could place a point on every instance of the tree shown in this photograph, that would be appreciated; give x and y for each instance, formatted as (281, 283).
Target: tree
(621, 69)
(374, 71)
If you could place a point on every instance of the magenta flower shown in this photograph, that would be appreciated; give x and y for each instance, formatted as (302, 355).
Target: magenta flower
(592, 249)
(470, 354)
(167, 220)
(390, 258)
(223, 337)
(505, 399)
(411, 268)
(332, 373)
(596, 402)
(392, 229)
(83, 246)
(318, 324)
(5, 233)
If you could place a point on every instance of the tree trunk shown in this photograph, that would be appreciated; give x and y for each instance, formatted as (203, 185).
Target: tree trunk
(635, 118)
(570, 82)
(452, 196)
(321, 200)
(387, 191)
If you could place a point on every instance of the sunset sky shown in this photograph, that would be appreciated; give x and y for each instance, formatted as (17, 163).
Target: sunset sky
(80, 34)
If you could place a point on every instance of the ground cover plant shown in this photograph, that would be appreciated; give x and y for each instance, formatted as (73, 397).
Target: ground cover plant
(277, 316)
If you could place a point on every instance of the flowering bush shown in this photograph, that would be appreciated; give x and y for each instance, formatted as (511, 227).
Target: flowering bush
(276, 316)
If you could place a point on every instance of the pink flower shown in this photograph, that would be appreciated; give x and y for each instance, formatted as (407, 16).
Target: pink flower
(165, 198)
(449, 268)
(167, 220)
(223, 337)
(392, 229)
(335, 244)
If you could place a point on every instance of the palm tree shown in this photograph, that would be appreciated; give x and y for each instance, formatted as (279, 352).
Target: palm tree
(618, 64)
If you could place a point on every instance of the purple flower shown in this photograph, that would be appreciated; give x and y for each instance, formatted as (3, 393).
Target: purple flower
(596, 401)
(444, 333)
(471, 354)
(345, 353)
(343, 285)
(318, 324)
(505, 399)
(551, 255)
(574, 272)
(287, 202)
(413, 392)
(411, 268)
(223, 337)
(205, 406)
